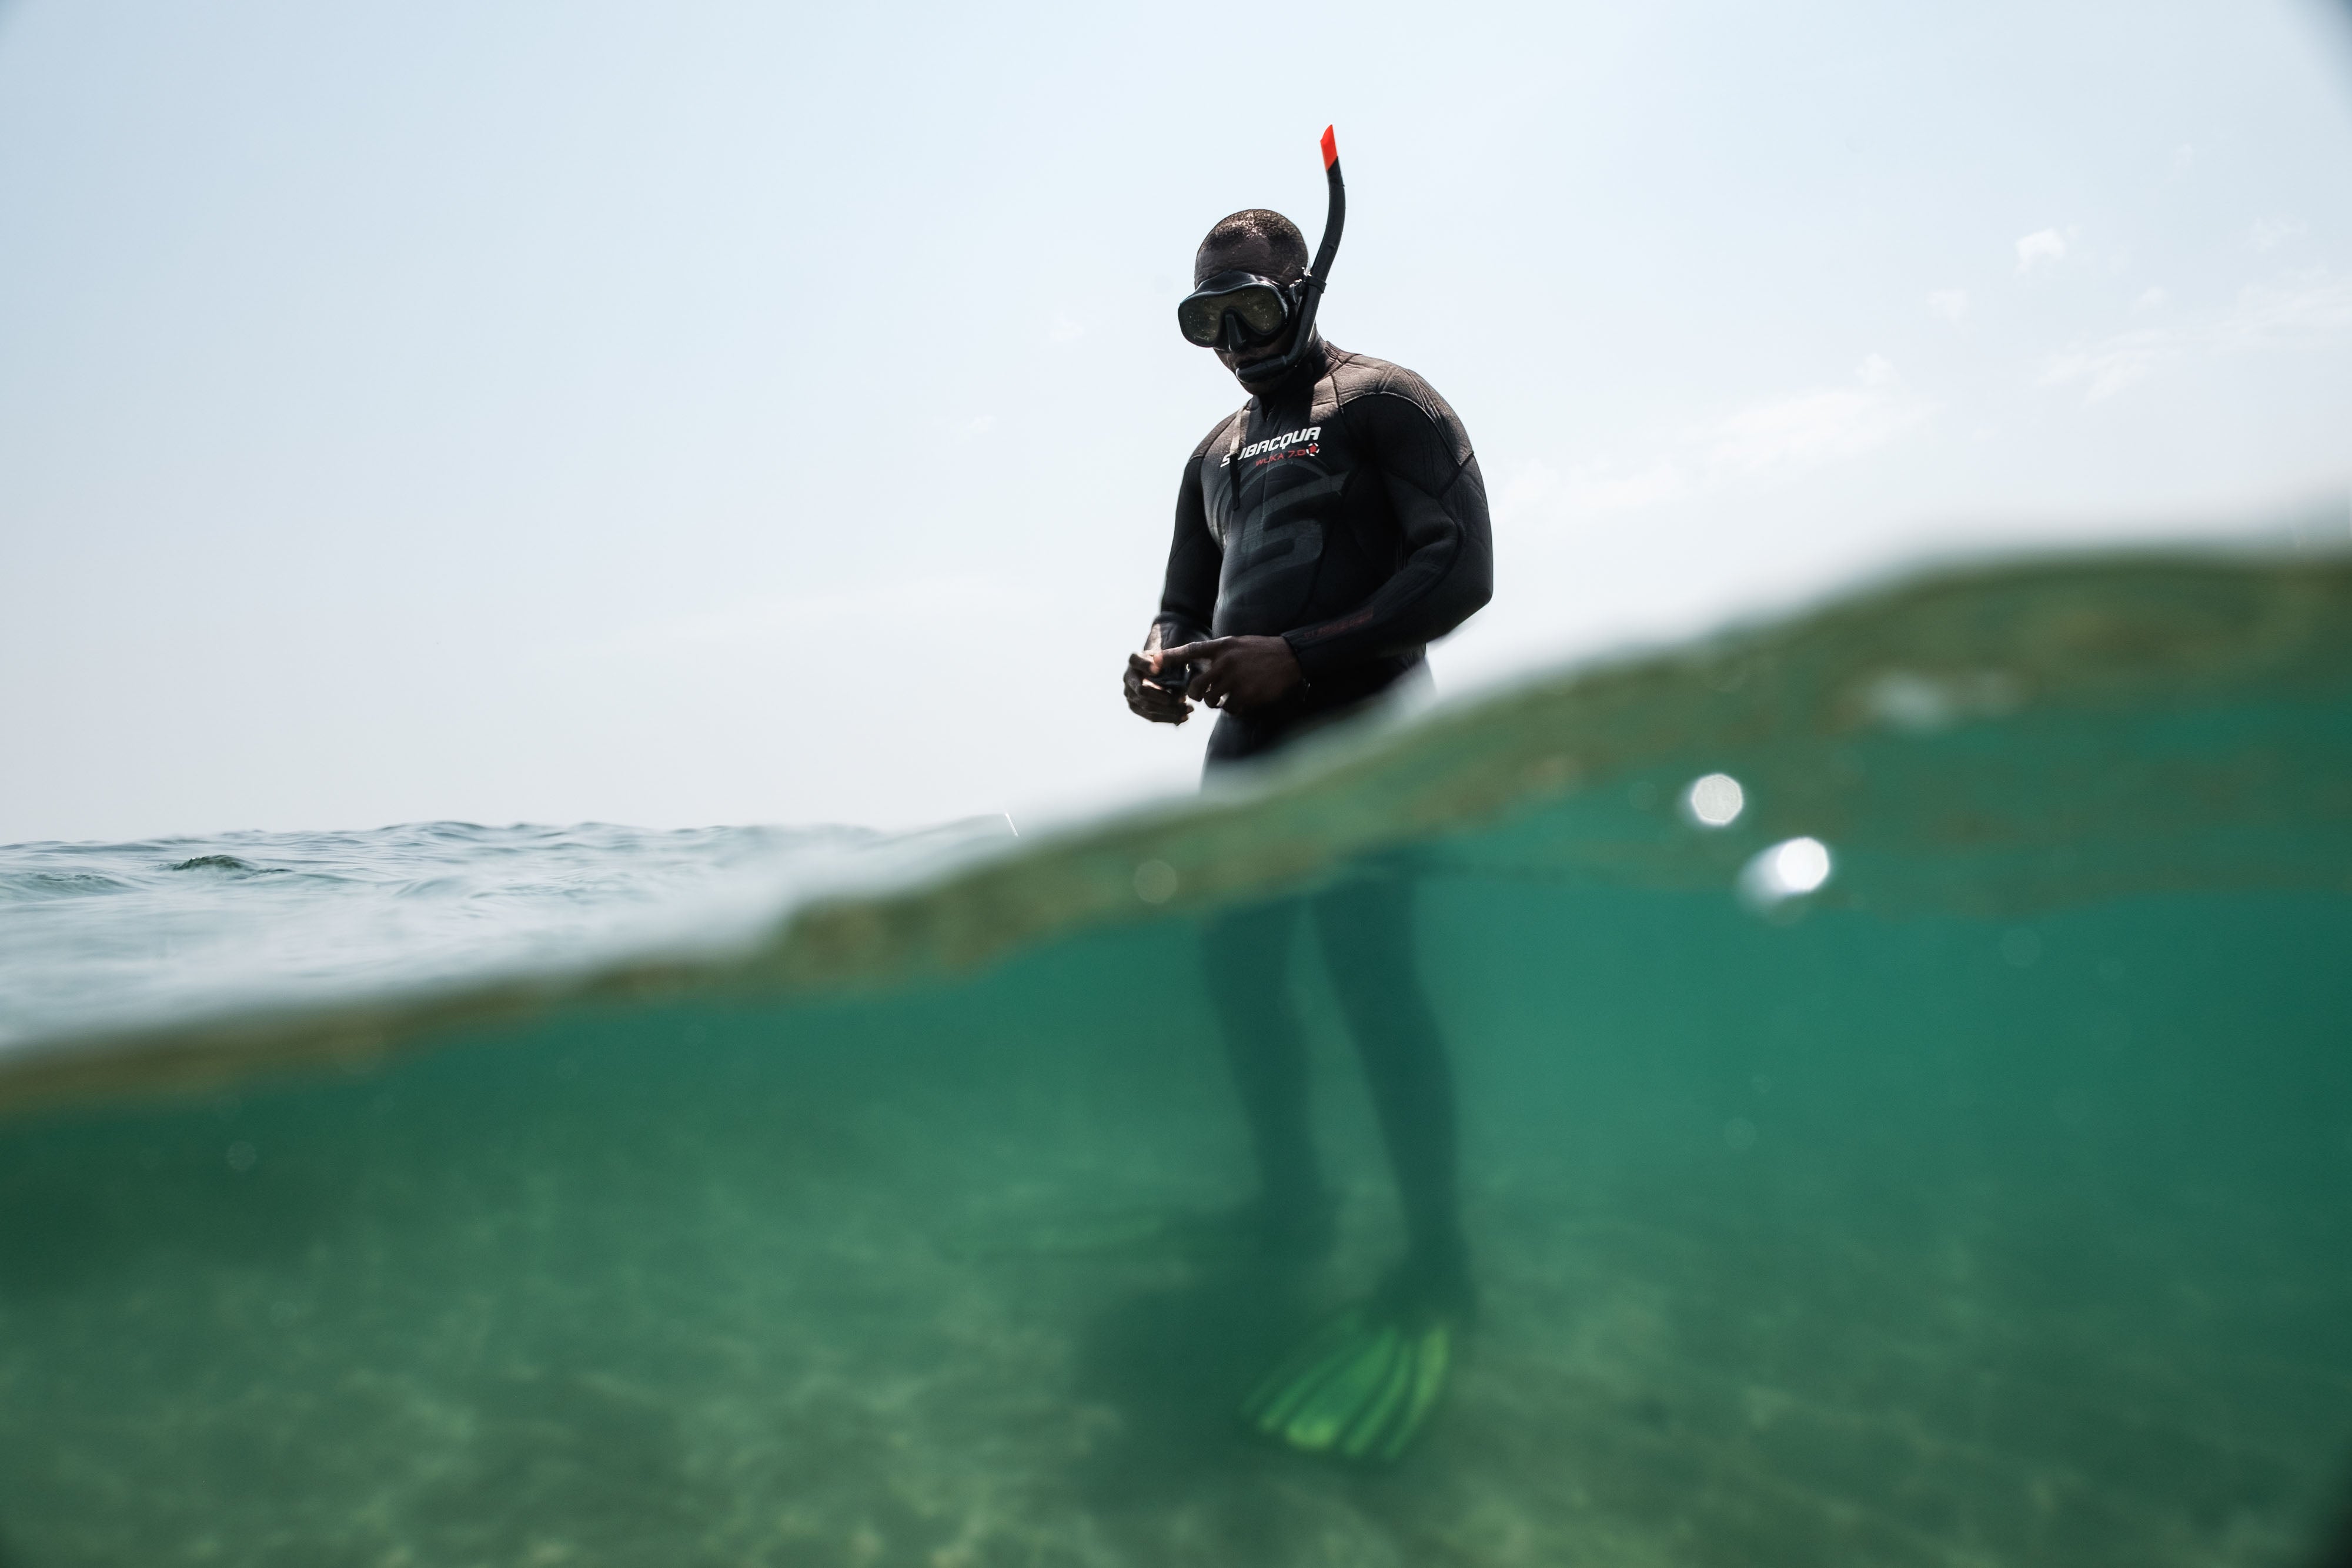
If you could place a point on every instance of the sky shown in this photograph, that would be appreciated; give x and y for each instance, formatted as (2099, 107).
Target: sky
(744, 414)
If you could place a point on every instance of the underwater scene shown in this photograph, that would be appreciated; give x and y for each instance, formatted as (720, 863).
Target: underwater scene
(1904, 1118)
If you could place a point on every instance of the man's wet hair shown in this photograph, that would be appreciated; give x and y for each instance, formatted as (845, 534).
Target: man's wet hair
(1251, 228)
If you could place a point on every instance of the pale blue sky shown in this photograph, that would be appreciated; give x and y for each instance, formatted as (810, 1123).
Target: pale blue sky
(711, 414)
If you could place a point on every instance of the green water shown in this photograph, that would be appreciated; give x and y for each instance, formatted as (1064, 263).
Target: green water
(1991, 1205)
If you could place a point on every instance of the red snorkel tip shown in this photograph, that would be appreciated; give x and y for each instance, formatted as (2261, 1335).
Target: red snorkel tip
(1331, 148)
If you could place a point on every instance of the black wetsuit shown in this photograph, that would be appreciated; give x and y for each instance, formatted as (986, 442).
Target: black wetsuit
(1342, 511)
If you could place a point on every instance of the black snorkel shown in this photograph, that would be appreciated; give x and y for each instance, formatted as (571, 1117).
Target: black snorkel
(1309, 288)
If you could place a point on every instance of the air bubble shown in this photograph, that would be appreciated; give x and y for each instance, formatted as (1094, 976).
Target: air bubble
(1715, 800)
(1788, 869)
(1155, 882)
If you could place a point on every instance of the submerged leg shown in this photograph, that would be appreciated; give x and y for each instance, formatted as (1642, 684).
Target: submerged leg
(1247, 961)
(1364, 1387)
(1366, 927)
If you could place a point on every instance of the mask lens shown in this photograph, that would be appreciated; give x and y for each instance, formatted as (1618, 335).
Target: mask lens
(1201, 318)
(1260, 307)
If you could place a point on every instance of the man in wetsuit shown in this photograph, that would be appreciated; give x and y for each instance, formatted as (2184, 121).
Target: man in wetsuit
(1326, 532)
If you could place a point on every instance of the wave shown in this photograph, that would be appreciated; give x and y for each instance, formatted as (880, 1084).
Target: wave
(1990, 739)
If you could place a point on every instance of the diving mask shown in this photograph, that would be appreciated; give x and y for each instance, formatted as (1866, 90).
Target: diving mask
(1234, 310)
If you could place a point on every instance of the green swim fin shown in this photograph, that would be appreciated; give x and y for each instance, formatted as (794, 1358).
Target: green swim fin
(1360, 1387)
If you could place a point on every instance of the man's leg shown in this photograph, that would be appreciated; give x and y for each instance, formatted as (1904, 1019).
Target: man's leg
(1366, 927)
(1362, 1385)
(1247, 957)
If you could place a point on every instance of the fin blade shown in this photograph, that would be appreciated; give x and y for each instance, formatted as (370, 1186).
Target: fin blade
(1301, 1374)
(1371, 1422)
(1434, 1355)
(1319, 1423)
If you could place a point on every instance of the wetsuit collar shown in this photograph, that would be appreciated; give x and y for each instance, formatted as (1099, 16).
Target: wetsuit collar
(1312, 366)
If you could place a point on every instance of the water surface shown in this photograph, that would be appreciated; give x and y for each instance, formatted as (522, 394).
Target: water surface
(1989, 1203)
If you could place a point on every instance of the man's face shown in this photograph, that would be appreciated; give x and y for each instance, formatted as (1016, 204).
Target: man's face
(1250, 256)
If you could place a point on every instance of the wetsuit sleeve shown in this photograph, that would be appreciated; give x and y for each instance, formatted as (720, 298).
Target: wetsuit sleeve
(1439, 499)
(1187, 599)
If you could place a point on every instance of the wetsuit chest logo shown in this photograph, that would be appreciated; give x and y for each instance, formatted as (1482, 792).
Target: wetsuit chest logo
(1306, 442)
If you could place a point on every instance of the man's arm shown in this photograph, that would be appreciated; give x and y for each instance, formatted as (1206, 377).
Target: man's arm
(1188, 596)
(1439, 498)
(1188, 599)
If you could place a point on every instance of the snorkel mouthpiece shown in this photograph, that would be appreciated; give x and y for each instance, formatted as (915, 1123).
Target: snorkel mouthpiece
(1310, 288)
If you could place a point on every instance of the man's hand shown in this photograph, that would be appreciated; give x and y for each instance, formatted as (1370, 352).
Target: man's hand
(1239, 673)
(1154, 703)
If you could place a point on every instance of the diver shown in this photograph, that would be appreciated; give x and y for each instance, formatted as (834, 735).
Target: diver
(1327, 531)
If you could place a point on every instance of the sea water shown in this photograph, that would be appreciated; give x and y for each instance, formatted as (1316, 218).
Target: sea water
(1907, 1120)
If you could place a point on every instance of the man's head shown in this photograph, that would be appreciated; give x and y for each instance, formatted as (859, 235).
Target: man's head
(1259, 242)
(1255, 240)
